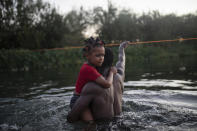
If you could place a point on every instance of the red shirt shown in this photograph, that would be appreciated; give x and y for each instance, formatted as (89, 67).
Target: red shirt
(87, 73)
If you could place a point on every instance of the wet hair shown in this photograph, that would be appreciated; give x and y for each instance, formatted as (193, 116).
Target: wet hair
(108, 61)
(91, 43)
(108, 58)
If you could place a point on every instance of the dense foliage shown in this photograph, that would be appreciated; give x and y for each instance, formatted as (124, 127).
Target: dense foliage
(30, 24)
(26, 25)
(140, 58)
(25, 60)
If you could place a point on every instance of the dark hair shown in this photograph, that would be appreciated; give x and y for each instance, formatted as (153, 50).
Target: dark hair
(108, 58)
(91, 43)
(108, 61)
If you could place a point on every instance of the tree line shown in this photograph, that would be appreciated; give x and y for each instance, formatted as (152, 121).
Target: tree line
(34, 24)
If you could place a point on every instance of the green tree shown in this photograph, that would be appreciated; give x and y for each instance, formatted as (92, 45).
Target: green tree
(105, 19)
(17, 22)
(75, 23)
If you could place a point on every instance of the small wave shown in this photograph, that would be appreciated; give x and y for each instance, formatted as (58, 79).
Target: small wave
(184, 100)
(162, 83)
(7, 127)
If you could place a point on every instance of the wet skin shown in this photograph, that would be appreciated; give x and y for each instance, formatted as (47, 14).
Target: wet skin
(104, 103)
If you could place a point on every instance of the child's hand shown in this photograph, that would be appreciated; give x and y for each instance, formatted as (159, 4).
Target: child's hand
(113, 70)
(124, 44)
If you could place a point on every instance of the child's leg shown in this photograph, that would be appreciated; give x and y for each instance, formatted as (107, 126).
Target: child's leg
(87, 115)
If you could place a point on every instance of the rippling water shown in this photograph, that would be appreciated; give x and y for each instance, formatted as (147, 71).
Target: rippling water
(152, 102)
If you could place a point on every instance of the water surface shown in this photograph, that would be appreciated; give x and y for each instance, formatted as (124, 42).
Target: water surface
(151, 101)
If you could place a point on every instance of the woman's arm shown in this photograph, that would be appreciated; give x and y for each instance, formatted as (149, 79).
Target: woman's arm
(120, 65)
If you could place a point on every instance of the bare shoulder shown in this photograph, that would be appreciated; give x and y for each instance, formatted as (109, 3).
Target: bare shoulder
(93, 88)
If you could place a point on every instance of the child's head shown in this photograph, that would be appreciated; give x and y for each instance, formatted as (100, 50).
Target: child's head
(94, 51)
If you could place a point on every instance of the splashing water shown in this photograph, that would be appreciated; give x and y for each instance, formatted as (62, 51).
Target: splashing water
(148, 104)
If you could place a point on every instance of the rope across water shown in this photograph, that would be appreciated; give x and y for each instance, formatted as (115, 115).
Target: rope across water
(130, 43)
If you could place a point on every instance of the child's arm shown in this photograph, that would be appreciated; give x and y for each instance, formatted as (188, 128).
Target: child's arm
(106, 83)
(120, 65)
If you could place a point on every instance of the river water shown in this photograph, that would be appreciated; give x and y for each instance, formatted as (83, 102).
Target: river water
(39, 101)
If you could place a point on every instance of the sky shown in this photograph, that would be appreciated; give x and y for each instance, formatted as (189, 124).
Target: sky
(179, 7)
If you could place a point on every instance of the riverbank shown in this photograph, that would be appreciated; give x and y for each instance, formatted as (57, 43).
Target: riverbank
(164, 57)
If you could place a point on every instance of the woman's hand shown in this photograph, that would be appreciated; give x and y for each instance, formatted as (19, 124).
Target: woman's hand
(124, 44)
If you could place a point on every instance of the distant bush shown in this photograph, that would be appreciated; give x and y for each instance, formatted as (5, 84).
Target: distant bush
(25, 60)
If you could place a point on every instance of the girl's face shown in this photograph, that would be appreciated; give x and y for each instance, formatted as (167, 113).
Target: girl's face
(96, 56)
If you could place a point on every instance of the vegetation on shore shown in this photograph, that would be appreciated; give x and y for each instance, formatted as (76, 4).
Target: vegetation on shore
(33, 24)
(169, 57)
